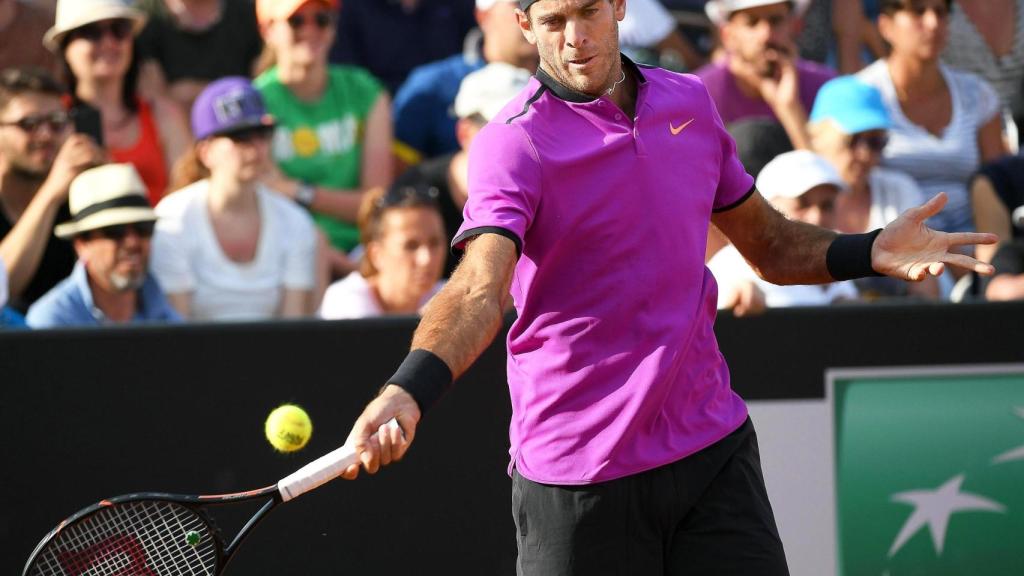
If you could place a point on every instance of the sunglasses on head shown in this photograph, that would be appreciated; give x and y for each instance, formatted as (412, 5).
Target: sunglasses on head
(873, 142)
(118, 232)
(321, 19)
(120, 29)
(56, 121)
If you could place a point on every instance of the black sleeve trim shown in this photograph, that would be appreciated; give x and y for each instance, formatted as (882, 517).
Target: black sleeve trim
(526, 106)
(460, 241)
(736, 203)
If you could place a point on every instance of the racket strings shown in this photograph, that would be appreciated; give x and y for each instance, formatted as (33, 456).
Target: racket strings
(143, 538)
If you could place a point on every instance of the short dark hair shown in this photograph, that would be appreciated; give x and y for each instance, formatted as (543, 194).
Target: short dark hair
(15, 82)
(890, 7)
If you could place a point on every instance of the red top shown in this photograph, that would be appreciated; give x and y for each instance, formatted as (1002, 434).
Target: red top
(147, 155)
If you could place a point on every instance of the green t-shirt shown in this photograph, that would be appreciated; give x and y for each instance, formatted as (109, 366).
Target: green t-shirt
(321, 142)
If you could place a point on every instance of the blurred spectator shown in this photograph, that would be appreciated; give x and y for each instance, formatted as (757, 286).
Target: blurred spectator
(22, 25)
(1008, 281)
(803, 186)
(93, 39)
(111, 226)
(849, 128)
(857, 40)
(391, 37)
(424, 120)
(986, 37)
(333, 137)
(482, 94)
(188, 43)
(400, 271)
(38, 160)
(761, 75)
(997, 198)
(226, 247)
(944, 122)
(650, 33)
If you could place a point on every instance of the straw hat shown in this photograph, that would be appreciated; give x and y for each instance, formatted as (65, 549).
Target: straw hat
(73, 14)
(106, 196)
(720, 10)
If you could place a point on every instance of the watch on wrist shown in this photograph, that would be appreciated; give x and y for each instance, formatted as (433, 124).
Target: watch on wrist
(305, 194)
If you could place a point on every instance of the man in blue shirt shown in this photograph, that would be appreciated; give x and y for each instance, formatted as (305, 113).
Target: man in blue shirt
(111, 226)
(424, 118)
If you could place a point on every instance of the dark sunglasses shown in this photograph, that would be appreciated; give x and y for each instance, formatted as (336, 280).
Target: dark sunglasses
(873, 142)
(119, 231)
(120, 29)
(322, 19)
(56, 121)
(408, 196)
(248, 135)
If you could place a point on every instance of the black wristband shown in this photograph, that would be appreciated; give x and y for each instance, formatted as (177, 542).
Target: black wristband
(424, 376)
(849, 256)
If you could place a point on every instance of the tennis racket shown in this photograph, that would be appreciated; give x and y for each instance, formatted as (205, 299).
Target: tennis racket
(157, 534)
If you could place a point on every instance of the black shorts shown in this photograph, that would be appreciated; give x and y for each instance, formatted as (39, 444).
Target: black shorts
(707, 514)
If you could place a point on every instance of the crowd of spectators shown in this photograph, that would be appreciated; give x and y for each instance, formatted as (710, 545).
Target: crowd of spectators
(208, 160)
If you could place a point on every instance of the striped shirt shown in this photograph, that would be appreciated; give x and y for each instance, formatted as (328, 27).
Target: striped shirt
(939, 163)
(967, 50)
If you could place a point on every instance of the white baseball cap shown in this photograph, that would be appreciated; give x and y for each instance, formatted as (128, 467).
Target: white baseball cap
(720, 10)
(487, 90)
(792, 174)
(487, 4)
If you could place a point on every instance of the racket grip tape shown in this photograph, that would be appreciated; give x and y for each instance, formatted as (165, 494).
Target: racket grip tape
(322, 470)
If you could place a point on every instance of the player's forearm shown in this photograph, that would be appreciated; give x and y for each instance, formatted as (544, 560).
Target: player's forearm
(795, 254)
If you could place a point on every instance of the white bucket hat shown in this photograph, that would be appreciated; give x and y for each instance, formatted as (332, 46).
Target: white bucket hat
(720, 10)
(106, 196)
(73, 14)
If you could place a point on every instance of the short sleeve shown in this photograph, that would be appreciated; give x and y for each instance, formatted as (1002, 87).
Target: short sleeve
(980, 97)
(734, 184)
(300, 254)
(505, 184)
(169, 260)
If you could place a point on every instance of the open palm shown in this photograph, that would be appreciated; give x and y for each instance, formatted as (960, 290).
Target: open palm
(910, 250)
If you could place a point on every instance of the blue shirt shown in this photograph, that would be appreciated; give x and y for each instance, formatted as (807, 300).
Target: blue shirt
(424, 119)
(70, 303)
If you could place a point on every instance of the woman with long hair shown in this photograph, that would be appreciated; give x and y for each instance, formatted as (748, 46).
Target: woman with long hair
(405, 245)
(94, 41)
(226, 247)
(333, 138)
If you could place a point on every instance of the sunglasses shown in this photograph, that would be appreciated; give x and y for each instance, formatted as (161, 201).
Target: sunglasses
(249, 135)
(118, 232)
(321, 19)
(873, 142)
(408, 196)
(56, 121)
(120, 29)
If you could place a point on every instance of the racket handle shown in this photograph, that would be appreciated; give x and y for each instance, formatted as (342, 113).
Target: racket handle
(322, 470)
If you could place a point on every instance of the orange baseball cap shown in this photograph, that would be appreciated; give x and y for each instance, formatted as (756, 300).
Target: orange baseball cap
(269, 10)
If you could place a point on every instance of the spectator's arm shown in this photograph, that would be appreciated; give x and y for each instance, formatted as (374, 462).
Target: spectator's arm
(1008, 283)
(182, 302)
(990, 215)
(152, 82)
(1005, 287)
(175, 136)
(296, 303)
(991, 143)
(847, 23)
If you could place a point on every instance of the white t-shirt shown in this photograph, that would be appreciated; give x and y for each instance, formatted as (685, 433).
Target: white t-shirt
(892, 193)
(731, 270)
(939, 163)
(187, 258)
(352, 297)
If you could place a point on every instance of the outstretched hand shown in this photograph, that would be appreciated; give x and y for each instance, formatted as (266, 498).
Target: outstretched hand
(910, 250)
(376, 446)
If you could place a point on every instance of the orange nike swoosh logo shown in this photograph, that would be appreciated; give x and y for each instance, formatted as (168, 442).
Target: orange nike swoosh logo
(675, 131)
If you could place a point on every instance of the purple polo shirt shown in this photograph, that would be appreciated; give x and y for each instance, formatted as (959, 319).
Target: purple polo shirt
(734, 105)
(613, 367)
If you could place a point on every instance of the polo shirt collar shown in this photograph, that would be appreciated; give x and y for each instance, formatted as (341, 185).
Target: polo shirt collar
(145, 307)
(568, 94)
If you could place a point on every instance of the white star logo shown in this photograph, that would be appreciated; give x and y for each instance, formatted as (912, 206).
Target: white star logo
(934, 507)
(1015, 454)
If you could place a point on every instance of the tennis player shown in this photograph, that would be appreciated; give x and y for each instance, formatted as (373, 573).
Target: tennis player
(590, 198)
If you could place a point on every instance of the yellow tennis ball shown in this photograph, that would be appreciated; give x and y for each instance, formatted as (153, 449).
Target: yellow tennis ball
(288, 428)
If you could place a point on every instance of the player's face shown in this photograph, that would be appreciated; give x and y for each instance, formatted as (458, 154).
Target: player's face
(116, 258)
(816, 206)
(30, 148)
(409, 254)
(760, 36)
(920, 30)
(578, 41)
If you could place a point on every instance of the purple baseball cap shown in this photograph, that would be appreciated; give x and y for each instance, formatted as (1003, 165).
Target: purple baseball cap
(228, 105)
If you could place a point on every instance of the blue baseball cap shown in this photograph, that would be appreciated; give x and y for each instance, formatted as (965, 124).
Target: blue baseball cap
(852, 104)
(228, 105)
